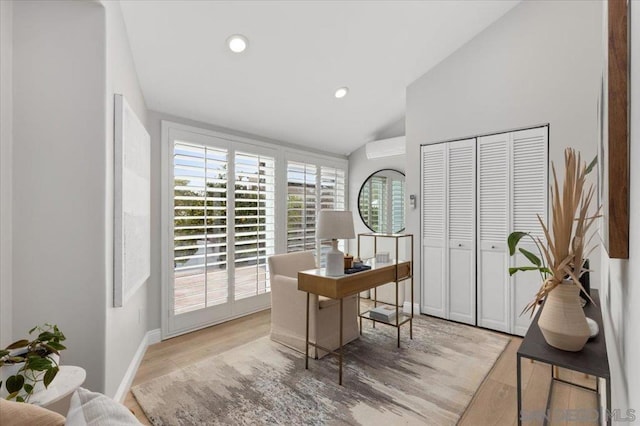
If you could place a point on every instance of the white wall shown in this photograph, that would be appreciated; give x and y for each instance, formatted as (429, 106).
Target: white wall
(126, 326)
(360, 168)
(540, 63)
(621, 283)
(6, 143)
(59, 248)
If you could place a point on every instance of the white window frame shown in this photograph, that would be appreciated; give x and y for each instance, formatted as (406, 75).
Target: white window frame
(281, 153)
(318, 163)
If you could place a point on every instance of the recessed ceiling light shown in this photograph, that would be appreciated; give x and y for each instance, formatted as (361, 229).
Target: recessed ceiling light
(341, 92)
(237, 43)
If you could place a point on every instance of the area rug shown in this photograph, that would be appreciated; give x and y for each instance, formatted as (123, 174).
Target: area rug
(429, 380)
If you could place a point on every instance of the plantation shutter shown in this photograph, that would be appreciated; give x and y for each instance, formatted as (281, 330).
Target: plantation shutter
(254, 227)
(200, 226)
(311, 188)
(301, 206)
(397, 203)
(378, 208)
(332, 188)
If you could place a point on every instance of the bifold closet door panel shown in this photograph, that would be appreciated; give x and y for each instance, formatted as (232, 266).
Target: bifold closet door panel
(493, 226)
(461, 215)
(434, 224)
(529, 179)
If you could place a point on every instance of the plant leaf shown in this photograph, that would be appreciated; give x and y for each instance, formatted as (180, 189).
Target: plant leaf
(28, 388)
(45, 336)
(50, 348)
(12, 395)
(57, 346)
(513, 240)
(19, 399)
(49, 376)
(532, 257)
(19, 344)
(591, 165)
(525, 268)
(15, 383)
(38, 364)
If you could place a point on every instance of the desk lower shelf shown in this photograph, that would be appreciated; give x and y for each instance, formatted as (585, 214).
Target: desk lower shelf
(402, 319)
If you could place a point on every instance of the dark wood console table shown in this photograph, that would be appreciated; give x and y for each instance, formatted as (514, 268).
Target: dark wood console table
(592, 359)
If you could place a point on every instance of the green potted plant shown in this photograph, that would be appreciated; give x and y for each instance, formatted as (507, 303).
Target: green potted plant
(562, 257)
(28, 366)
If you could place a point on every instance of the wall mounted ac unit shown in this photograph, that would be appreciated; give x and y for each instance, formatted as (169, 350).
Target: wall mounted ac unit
(386, 147)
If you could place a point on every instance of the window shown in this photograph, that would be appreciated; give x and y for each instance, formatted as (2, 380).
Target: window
(254, 222)
(224, 199)
(311, 188)
(200, 226)
(397, 205)
(301, 206)
(201, 235)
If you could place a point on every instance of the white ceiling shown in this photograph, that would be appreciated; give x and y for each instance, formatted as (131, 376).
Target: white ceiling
(299, 53)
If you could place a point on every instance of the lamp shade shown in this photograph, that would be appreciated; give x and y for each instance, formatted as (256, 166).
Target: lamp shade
(335, 224)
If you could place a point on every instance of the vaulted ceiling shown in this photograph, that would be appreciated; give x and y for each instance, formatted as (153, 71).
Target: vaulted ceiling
(299, 53)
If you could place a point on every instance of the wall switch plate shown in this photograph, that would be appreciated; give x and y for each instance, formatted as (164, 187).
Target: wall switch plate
(412, 201)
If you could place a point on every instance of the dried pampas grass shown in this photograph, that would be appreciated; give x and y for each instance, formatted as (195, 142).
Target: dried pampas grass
(567, 245)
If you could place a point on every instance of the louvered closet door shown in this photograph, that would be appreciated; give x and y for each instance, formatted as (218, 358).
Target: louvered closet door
(461, 260)
(493, 226)
(529, 198)
(434, 224)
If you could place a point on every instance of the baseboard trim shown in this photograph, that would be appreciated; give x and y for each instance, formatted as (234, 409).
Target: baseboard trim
(154, 336)
(406, 307)
(151, 337)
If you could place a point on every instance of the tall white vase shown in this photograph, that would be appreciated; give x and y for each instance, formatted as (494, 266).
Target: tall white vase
(562, 321)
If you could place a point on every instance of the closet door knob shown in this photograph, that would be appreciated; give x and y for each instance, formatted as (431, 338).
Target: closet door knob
(459, 244)
(493, 247)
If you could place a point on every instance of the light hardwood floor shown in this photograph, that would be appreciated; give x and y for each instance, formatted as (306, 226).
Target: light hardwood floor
(495, 402)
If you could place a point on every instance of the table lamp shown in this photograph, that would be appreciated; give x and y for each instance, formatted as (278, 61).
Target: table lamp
(334, 224)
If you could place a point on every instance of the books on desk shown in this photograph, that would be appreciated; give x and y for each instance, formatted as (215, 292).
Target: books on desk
(383, 313)
(359, 268)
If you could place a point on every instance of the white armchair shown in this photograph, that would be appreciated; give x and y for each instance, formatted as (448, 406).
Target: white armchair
(288, 308)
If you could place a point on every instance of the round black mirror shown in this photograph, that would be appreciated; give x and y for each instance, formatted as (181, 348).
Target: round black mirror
(381, 201)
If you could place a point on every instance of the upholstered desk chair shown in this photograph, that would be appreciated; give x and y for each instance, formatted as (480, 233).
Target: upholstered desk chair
(288, 314)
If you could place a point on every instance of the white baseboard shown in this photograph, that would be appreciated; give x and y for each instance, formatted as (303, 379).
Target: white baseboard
(154, 336)
(406, 307)
(151, 337)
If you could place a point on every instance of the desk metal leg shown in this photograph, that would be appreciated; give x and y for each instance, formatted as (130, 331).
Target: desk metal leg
(519, 391)
(375, 303)
(397, 308)
(411, 320)
(359, 313)
(306, 348)
(608, 401)
(340, 367)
